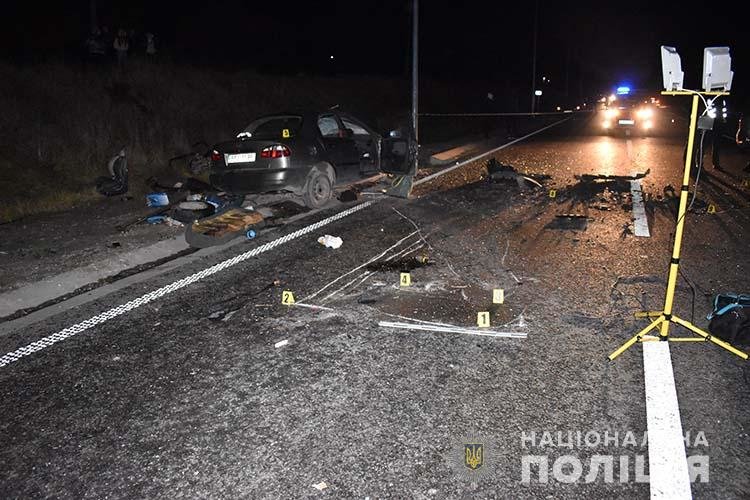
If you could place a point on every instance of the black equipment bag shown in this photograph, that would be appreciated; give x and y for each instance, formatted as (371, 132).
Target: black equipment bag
(730, 318)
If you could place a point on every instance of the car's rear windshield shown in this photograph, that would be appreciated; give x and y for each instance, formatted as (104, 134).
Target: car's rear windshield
(275, 127)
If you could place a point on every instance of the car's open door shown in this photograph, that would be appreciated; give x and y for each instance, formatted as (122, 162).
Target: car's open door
(398, 155)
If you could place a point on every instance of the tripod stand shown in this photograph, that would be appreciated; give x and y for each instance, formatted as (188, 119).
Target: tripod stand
(662, 319)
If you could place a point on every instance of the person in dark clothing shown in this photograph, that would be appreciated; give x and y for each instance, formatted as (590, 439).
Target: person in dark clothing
(742, 139)
(712, 136)
(720, 122)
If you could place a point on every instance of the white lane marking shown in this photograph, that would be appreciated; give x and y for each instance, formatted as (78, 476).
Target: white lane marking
(165, 290)
(668, 466)
(640, 221)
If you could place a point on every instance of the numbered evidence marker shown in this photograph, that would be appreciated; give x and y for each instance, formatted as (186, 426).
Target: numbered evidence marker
(483, 319)
(287, 298)
(711, 209)
(405, 279)
(285, 133)
(498, 296)
(552, 193)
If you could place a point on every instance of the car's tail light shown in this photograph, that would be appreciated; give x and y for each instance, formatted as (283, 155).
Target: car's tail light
(215, 155)
(276, 151)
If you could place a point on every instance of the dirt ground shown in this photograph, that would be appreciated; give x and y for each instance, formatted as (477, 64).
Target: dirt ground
(44, 245)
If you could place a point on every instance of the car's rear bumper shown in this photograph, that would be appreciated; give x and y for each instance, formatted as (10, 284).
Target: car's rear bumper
(246, 181)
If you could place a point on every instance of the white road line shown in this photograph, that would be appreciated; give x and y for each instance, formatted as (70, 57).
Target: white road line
(668, 466)
(640, 221)
(50, 340)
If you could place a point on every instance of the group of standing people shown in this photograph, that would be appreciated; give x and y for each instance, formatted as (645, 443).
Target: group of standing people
(102, 44)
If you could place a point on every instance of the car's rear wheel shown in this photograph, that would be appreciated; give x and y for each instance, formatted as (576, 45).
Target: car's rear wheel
(318, 189)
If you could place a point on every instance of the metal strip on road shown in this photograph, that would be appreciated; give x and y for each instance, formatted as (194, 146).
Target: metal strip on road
(668, 468)
(486, 153)
(50, 340)
(640, 221)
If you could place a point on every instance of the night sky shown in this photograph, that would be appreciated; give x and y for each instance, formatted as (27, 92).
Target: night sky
(587, 47)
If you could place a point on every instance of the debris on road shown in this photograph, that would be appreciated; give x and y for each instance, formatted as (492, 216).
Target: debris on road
(156, 219)
(330, 241)
(229, 315)
(157, 200)
(223, 227)
(282, 343)
(172, 222)
(607, 177)
(450, 329)
(572, 216)
(189, 211)
(312, 306)
(348, 196)
(498, 172)
(320, 486)
(404, 264)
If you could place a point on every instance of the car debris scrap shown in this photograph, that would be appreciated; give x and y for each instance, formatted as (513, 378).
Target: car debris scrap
(222, 227)
(498, 172)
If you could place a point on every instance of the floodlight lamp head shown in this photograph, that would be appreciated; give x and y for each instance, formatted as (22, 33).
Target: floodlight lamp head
(671, 68)
(717, 69)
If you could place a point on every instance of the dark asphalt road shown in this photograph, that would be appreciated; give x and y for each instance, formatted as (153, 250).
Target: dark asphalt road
(188, 397)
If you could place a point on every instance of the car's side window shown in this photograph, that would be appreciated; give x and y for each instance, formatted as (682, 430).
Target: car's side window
(356, 128)
(328, 126)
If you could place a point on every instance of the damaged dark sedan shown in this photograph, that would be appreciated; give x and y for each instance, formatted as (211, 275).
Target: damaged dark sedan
(306, 153)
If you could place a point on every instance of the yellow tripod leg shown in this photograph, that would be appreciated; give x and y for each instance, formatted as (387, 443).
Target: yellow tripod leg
(624, 347)
(709, 337)
(648, 314)
(681, 212)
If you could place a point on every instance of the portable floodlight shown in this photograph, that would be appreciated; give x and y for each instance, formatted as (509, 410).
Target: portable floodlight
(717, 80)
(717, 69)
(671, 68)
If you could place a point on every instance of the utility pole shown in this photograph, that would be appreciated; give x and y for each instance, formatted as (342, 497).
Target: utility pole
(92, 15)
(567, 71)
(533, 59)
(415, 74)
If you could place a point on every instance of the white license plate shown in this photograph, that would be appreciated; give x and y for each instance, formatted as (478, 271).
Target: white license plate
(626, 122)
(241, 158)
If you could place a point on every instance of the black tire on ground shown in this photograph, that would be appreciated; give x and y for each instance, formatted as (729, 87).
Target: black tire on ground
(318, 189)
(189, 216)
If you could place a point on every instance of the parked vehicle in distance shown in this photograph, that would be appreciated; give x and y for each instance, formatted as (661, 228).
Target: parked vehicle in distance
(307, 153)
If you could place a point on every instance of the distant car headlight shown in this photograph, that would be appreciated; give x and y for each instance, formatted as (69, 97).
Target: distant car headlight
(645, 113)
(611, 113)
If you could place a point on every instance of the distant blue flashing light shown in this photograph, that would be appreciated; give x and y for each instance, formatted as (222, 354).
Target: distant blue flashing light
(623, 90)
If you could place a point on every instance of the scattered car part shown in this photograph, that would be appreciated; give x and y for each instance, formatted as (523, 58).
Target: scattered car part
(223, 227)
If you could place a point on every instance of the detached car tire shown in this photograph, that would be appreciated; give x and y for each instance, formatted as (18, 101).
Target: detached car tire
(318, 189)
(188, 212)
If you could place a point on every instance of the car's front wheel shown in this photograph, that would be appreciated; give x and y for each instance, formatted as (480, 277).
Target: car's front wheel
(318, 189)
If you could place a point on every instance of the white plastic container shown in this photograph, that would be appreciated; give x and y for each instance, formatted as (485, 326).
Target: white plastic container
(330, 241)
